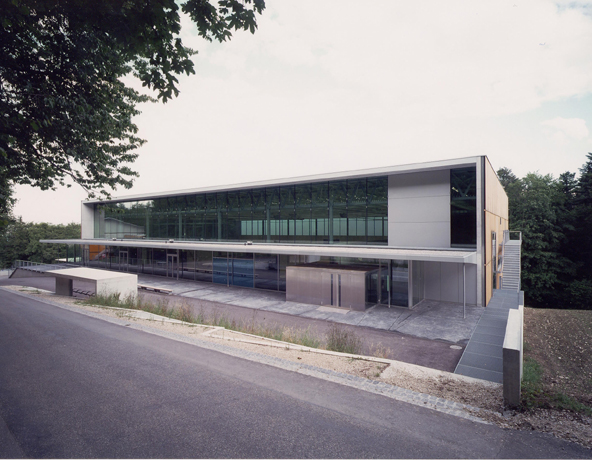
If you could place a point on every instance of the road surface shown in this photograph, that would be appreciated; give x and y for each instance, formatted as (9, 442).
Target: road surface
(76, 386)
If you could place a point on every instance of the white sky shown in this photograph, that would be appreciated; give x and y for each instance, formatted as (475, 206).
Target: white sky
(328, 86)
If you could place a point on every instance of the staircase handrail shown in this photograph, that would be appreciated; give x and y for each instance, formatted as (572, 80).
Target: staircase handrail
(501, 278)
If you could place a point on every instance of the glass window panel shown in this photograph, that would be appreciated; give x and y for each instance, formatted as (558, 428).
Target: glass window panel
(320, 212)
(259, 214)
(302, 212)
(337, 210)
(203, 266)
(282, 269)
(463, 207)
(266, 271)
(377, 210)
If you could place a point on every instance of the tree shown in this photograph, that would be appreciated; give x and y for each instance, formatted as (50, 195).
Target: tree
(64, 111)
(538, 207)
(583, 219)
(7, 202)
(20, 241)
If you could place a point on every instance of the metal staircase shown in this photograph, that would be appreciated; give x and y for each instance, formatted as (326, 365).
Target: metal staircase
(511, 262)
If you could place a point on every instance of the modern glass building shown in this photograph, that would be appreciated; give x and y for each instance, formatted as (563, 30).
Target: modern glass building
(391, 236)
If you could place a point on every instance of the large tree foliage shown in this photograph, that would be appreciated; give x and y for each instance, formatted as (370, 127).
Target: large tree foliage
(554, 216)
(65, 112)
(7, 202)
(536, 215)
(20, 241)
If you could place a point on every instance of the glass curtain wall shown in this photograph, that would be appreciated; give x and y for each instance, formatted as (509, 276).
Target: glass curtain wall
(345, 212)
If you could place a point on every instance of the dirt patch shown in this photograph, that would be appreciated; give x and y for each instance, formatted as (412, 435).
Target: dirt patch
(561, 342)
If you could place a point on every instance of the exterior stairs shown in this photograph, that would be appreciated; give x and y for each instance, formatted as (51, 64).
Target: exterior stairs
(511, 266)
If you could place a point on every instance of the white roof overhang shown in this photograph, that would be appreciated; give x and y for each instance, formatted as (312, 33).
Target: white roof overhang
(333, 250)
(87, 274)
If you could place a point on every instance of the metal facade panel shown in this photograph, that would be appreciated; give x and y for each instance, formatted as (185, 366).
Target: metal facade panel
(314, 285)
(353, 290)
(420, 184)
(419, 209)
(449, 277)
(432, 280)
(424, 235)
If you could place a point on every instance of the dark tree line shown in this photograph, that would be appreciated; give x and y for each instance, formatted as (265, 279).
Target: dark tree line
(555, 218)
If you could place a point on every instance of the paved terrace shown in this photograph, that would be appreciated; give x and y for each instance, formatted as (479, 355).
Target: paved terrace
(430, 320)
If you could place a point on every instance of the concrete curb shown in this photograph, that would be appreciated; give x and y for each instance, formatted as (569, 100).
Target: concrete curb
(390, 391)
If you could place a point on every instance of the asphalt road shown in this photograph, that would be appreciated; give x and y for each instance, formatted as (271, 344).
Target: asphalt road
(75, 386)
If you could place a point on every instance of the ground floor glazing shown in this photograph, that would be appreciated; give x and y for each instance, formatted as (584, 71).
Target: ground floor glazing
(383, 281)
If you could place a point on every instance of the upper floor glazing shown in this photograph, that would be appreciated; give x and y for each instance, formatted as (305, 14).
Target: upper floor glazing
(348, 211)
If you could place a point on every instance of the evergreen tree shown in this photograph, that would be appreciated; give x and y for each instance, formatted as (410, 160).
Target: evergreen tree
(583, 219)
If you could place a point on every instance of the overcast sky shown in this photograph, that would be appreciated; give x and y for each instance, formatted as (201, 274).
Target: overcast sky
(327, 86)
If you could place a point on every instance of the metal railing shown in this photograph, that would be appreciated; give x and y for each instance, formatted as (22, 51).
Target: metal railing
(510, 235)
(26, 264)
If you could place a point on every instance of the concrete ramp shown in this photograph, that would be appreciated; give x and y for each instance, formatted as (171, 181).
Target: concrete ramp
(483, 356)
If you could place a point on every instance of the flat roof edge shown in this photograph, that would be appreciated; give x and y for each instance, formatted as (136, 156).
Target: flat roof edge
(380, 171)
(368, 252)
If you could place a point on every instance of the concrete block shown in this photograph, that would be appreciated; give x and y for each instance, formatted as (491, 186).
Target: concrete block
(63, 286)
(512, 359)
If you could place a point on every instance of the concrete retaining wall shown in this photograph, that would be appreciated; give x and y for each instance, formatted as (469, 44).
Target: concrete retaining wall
(513, 356)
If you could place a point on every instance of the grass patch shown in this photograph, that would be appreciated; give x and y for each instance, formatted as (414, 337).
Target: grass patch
(534, 395)
(185, 312)
(343, 340)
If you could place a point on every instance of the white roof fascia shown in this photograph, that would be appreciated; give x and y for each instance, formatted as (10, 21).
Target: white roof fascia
(365, 252)
(88, 274)
(386, 170)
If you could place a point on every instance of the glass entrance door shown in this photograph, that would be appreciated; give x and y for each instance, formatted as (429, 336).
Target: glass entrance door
(123, 261)
(172, 270)
(399, 281)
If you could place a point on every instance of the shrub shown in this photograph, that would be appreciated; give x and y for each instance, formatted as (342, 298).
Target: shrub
(580, 293)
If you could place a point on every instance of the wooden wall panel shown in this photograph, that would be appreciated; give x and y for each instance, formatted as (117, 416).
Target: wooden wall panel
(496, 200)
(493, 223)
(496, 220)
